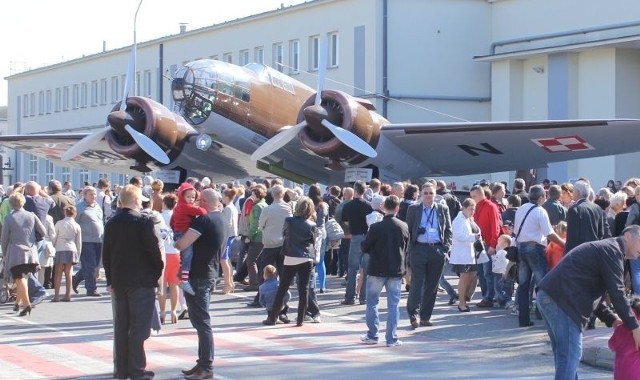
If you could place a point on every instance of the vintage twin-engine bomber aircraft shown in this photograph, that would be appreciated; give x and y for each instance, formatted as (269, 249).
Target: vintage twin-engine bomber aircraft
(234, 122)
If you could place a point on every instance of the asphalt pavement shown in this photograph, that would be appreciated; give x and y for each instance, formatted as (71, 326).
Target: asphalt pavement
(74, 341)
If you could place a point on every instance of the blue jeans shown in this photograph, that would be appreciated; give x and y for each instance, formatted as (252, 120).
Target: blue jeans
(89, 261)
(321, 269)
(565, 334)
(374, 288)
(532, 263)
(504, 288)
(198, 305)
(186, 255)
(487, 272)
(634, 265)
(451, 292)
(132, 312)
(357, 260)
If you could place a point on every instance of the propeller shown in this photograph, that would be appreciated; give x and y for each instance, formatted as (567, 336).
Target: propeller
(315, 113)
(145, 143)
(284, 135)
(351, 140)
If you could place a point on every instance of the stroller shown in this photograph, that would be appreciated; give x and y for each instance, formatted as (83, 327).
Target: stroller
(7, 288)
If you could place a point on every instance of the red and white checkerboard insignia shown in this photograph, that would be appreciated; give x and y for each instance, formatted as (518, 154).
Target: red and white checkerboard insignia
(563, 144)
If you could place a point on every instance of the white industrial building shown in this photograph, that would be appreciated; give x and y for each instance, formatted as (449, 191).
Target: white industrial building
(416, 60)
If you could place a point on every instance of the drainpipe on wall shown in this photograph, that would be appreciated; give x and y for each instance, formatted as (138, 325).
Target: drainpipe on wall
(385, 88)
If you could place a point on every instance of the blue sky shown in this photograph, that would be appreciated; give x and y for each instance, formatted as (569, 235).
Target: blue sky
(37, 33)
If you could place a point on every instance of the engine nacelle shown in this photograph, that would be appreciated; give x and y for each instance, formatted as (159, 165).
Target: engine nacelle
(155, 121)
(355, 115)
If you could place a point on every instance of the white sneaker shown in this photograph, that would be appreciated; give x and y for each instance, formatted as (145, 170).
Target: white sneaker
(186, 287)
(366, 340)
(395, 344)
(316, 319)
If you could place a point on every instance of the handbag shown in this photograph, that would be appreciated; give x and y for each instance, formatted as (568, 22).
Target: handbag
(334, 230)
(512, 251)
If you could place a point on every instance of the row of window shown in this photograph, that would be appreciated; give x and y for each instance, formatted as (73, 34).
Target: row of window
(78, 95)
(293, 66)
(81, 96)
(83, 175)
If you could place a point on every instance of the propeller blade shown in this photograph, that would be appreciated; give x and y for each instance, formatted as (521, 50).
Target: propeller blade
(281, 139)
(85, 144)
(323, 51)
(131, 67)
(150, 147)
(351, 140)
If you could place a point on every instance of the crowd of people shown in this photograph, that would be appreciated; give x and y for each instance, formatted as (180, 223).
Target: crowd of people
(264, 236)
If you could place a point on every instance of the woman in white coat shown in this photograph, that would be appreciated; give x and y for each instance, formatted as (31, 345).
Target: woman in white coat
(463, 255)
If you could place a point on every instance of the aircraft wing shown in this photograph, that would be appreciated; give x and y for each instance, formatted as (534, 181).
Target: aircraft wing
(472, 148)
(220, 163)
(51, 146)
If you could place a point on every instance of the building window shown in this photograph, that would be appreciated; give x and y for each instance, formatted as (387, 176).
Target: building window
(314, 49)
(278, 57)
(58, 99)
(94, 93)
(49, 106)
(83, 95)
(121, 179)
(83, 176)
(258, 55)
(227, 57)
(114, 90)
(32, 104)
(48, 171)
(294, 60)
(65, 98)
(25, 105)
(33, 168)
(244, 57)
(65, 175)
(103, 91)
(41, 103)
(76, 97)
(147, 83)
(333, 49)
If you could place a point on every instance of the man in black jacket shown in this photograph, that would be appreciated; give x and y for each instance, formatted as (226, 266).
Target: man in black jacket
(586, 221)
(132, 264)
(386, 242)
(574, 289)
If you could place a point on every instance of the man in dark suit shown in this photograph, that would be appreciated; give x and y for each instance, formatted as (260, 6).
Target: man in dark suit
(132, 264)
(430, 239)
(586, 221)
(556, 211)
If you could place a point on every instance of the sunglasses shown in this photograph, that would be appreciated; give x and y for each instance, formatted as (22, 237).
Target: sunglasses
(425, 193)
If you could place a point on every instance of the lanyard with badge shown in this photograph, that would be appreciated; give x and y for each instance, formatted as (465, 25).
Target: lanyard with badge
(429, 219)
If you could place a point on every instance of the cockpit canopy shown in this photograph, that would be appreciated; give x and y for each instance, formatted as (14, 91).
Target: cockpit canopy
(198, 84)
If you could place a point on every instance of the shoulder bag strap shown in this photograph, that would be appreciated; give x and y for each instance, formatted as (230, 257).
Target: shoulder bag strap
(525, 218)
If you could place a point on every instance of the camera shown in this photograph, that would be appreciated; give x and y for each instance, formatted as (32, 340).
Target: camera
(422, 230)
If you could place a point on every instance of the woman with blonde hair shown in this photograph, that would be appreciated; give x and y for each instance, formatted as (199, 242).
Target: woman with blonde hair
(300, 233)
(230, 217)
(19, 246)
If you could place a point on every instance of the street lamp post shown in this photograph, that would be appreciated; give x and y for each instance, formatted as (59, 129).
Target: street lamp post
(7, 170)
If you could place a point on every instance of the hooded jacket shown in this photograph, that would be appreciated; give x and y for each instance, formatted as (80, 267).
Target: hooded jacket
(184, 213)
